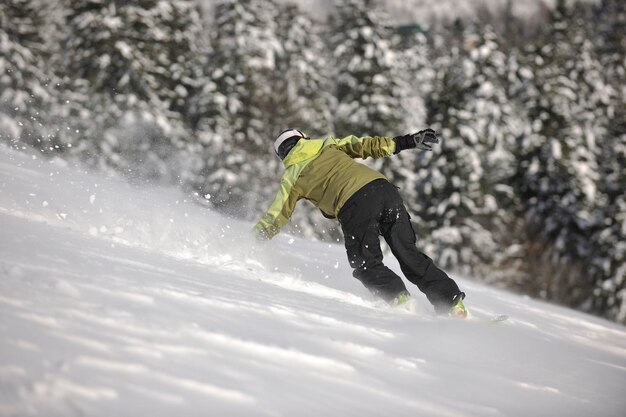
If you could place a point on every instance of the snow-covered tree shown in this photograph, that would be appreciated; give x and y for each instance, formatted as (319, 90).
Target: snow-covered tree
(558, 172)
(608, 28)
(135, 51)
(24, 92)
(129, 68)
(303, 80)
(463, 194)
(609, 238)
(234, 112)
(608, 258)
(415, 75)
(367, 81)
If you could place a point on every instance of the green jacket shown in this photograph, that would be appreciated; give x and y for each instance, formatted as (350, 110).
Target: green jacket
(323, 172)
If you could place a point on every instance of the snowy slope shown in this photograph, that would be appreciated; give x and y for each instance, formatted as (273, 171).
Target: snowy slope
(122, 301)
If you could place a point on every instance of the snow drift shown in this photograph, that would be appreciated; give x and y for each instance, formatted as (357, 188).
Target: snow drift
(122, 300)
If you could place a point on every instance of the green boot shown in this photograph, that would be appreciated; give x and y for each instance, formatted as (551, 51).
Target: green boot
(458, 310)
(401, 298)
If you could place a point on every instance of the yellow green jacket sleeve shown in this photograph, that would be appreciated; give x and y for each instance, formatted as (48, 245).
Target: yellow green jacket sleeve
(281, 209)
(364, 147)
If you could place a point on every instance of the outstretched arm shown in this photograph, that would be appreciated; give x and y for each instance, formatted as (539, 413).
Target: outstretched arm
(380, 146)
(364, 147)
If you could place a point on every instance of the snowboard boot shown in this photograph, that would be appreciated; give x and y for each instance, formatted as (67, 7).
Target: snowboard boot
(401, 298)
(458, 309)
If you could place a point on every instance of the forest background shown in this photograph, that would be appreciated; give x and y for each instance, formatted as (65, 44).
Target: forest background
(525, 191)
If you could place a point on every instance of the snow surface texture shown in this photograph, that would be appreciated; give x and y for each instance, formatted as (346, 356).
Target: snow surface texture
(122, 301)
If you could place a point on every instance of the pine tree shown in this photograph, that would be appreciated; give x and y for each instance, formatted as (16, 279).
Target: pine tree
(303, 85)
(24, 83)
(490, 121)
(609, 237)
(129, 68)
(135, 51)
(415, 75)
(608, 259)
(463, 194)
(235, 111)
(367, 89)
(608, 28)
(558, 169)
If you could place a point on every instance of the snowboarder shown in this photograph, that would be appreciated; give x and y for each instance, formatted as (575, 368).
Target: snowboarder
(367, 206)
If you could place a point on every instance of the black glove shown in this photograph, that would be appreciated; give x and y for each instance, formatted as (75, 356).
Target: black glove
(420, 140)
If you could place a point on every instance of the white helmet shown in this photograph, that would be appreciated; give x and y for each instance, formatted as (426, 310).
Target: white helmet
(287, 140)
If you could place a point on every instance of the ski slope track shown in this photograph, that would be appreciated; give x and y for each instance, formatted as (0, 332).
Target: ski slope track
(117, 300)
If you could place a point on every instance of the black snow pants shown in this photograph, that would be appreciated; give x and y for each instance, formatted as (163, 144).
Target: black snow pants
(378, 210)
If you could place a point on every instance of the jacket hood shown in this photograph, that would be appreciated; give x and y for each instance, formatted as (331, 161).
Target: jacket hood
(305, 149)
